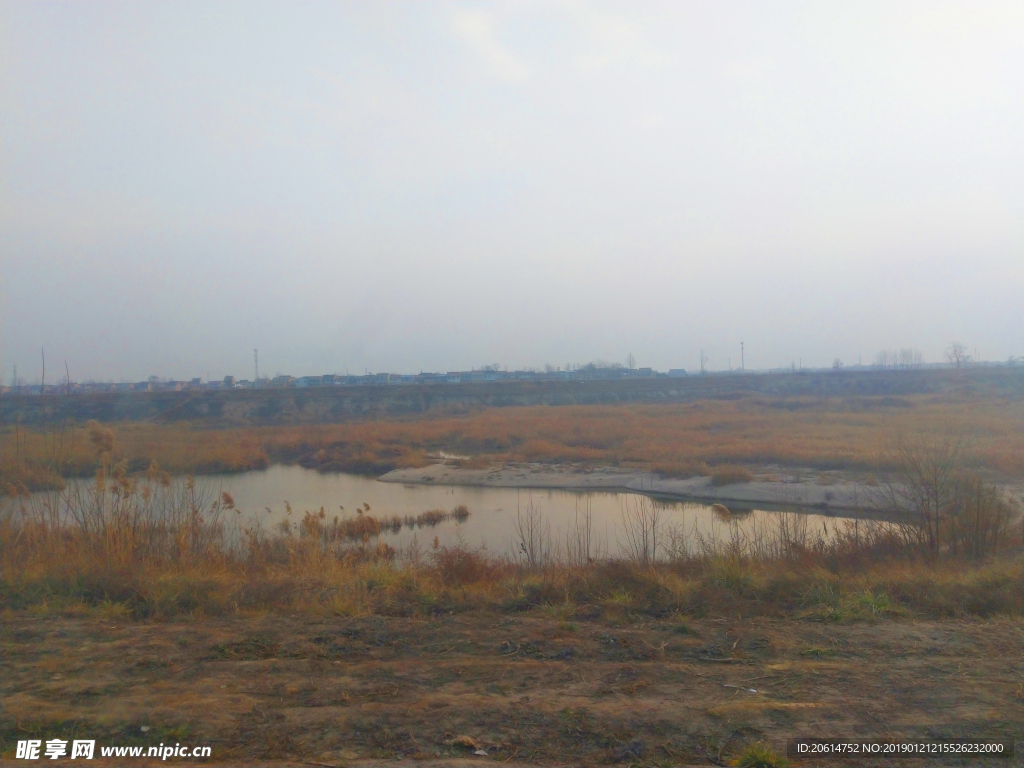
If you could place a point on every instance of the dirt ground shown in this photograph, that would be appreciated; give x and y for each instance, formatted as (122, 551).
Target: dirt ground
(529, 688)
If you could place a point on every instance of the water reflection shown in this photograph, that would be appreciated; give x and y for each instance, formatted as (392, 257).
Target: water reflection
(532, 525)
(282, 494)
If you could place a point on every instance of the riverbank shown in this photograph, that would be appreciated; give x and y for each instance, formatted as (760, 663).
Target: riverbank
(834, 496)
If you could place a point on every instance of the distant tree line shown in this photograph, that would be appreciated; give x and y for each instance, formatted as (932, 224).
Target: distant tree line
(907, 357)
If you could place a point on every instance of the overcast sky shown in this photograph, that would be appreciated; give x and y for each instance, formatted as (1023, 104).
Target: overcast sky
(435, 186)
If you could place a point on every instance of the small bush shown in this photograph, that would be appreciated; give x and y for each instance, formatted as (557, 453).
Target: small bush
(680, 627)
(458, 564)
(728, 474)
(760, 755)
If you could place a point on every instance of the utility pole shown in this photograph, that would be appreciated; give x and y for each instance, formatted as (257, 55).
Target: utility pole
(743, 365)
(256, 364)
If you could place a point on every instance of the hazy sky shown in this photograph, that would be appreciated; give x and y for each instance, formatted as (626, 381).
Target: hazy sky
(436, 186)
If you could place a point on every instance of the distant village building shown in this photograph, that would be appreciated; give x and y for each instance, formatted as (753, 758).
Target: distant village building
(490, 374)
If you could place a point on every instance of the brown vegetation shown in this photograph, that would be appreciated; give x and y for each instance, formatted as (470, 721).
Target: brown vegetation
(940, 502)
(364, 527)
(751, 634)
(536, 688)
(39, 459)
(151, 598)
(673, 439)
(148, 545)
(727, 474)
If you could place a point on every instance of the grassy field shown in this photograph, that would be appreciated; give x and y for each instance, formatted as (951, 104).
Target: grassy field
(674, 439)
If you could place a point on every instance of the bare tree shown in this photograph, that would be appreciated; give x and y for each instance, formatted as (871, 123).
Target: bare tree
(703, 361)
(940, 505)
(630, 361)
(923, 484)
(579, 537)
(532, 540)
(837, 365)
(956, 353)
(642, 526)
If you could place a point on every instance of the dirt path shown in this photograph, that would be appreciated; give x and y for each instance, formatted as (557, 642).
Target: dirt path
(529, 689)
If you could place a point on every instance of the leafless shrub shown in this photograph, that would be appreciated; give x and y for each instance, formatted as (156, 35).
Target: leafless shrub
(458, 564)
(532, 536)
(727, 474)
(579, 537)
(941, 505)
(642, 530)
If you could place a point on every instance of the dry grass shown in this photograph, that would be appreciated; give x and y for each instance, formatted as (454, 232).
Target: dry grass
(727, 474)
(39, 458)
(151, 546)
(294, 640)
(674, 439)
(371, 690)
(376, 582)
(169, 604)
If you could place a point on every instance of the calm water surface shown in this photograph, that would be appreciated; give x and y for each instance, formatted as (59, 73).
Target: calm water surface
(263, 495)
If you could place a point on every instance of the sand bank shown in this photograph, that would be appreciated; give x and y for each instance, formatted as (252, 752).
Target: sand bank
(844, 498)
